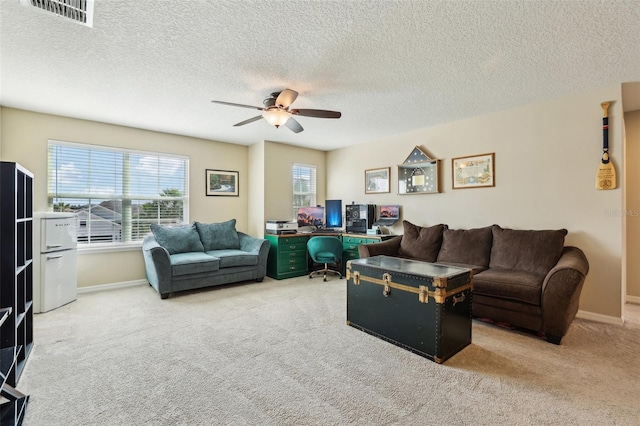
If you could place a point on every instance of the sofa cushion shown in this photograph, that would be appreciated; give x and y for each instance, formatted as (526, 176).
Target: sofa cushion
(466, 246)
(422, 243)
(525, 250)
(218, 236)
(177, 239)
(522, 286)
(193, 263)
(231, 258)
(475, 269)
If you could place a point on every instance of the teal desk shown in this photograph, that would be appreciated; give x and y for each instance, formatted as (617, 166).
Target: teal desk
(288, 255)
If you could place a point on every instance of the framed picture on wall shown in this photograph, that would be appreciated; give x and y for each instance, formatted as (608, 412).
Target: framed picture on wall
(222, 182)
(474, 171)
(376, 181)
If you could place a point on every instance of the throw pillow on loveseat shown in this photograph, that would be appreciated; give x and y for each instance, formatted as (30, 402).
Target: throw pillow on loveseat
(177, 239)
(218, 236)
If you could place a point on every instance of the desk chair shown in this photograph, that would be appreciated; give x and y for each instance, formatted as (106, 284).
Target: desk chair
(325, 250)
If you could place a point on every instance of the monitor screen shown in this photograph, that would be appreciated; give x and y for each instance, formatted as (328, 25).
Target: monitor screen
(311, 216)
(334, 213)
(390, 212)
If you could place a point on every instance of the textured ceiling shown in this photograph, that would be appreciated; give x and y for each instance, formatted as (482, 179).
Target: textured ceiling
(389, 66)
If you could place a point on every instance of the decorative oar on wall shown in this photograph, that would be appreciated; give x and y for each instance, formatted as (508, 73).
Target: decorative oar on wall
(606, 175)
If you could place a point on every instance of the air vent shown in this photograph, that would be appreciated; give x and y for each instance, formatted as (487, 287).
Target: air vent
(79, 11)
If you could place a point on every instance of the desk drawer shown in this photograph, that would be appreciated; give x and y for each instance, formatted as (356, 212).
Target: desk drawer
(295, 245)
(348, 255)
(288, 256)
(294, 264)
(354, 240)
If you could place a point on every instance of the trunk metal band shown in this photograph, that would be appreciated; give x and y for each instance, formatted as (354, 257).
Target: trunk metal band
(438, 295)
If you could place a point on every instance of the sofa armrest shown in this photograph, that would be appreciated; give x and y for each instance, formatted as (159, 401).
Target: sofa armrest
(561, 291)
(157, 265)
(257, 246)
(388, 248)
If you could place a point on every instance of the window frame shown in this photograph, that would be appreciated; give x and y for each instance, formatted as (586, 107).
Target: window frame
(313, 194)
(120, 196)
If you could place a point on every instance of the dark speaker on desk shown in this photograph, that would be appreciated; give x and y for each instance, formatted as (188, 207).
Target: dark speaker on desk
(360, 217)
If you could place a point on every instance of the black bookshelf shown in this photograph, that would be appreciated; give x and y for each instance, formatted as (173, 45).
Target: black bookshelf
(16, 286)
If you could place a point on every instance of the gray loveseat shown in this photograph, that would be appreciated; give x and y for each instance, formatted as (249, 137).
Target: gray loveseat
(525, 278)
(202, 255)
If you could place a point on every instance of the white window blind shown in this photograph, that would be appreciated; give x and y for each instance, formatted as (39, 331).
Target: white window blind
(304, 187)
(117, 193)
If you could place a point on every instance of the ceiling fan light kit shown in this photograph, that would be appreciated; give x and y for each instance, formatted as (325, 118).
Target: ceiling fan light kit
(276, 111)
(276, 117)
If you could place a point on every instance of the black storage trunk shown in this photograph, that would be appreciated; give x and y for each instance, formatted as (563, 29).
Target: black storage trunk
(419, 306)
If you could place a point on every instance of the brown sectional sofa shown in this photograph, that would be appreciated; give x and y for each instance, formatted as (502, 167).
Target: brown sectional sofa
(526, 278)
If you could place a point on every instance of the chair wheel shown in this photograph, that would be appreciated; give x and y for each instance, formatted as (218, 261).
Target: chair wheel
(325, 279)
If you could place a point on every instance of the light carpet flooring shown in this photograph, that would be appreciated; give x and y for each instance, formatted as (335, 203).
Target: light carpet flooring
(632, 315)
(280, 353)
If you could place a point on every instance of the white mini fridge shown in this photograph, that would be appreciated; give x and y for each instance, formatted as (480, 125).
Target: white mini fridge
(55, 281)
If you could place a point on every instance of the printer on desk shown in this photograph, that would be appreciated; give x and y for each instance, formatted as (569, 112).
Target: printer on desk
(278, 227)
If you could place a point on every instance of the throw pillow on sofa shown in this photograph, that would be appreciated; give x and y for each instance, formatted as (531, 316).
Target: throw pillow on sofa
(219, 236)
(177, 239)
(525, 250)
(422, 243)
(466, 246)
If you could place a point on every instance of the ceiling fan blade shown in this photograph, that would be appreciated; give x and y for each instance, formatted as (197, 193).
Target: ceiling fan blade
(320, 113)
(239, 105)
(250, 120)
(293, 125)
(286, 98)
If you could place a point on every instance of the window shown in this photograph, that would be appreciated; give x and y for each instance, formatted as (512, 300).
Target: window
(304, 187)
(117, 193)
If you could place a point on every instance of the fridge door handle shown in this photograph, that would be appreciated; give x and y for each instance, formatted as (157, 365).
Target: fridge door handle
(54, 257)
(50, 246)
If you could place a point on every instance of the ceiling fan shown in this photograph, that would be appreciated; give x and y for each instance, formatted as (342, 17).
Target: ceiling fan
(276, 111)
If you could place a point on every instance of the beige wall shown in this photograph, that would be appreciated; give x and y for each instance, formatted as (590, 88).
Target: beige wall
(257, 189)
(25, 135)
(546, 157)
(632, 202)
(279, 159)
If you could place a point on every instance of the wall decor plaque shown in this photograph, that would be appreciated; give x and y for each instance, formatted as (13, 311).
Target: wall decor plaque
(419, 174)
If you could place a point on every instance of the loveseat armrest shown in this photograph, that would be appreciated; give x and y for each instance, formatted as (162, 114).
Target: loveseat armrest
(561, 293)
(388, 248)
(257, 246)
(157, 265)
(250, 244)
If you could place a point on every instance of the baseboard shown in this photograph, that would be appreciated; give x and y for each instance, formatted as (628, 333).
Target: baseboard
(591, 316)
(633, 299)
(112, 286)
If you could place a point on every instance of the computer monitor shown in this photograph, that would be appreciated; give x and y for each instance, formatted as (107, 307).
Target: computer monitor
(333, 210)
(391, 211)
(389, 214)
(311, 216)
